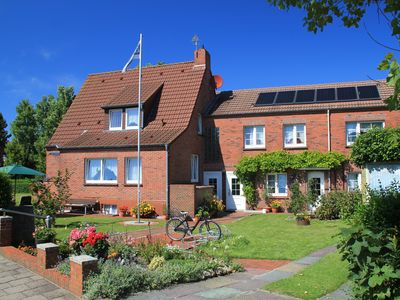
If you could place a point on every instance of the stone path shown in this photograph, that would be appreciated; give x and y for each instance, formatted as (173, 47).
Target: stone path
(245, 285)
(342, 293)
(17, 282)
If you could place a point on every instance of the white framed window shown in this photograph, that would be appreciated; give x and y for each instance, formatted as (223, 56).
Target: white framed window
(101, 170)
(110, 209)
(295, 135)
(131, 170)
(353, 182)
(235, 187)
(277, 184)
(354, 129)
(131, 118)
(254, 137)
(199, 124)
(195, 168)
(115, 119)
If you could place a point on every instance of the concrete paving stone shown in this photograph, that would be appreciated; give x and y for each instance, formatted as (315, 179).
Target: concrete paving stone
(17, 296)
(36, 297)
(342, 293)
(308, 260)
(55, 293)
(16, 289)
(37, 283)
(292, 268)
(218, 282)
(324, 251)
(20, 281)
(273, 276)
(66, 297)
(252, 284)
(6, 279)
(181, 290)
(23, 275)
(36, 277)
(260, 295)
(4, 286)
(43, 289)
(242, 276)
(153, 295)
(190, 297)
(220, 293)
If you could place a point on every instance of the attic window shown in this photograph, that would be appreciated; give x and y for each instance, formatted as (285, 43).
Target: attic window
(131, 118)
(115, 119)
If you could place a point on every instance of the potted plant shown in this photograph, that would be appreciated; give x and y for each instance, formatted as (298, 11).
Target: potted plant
(303, 219)
(201, 212)
(44, 235)
(123, 210)
(267, 199)
(275, 205)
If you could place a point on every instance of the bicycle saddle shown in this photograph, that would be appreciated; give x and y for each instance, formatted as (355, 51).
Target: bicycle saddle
(184, 213)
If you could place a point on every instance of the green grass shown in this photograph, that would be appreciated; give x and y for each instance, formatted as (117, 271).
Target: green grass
(18, 197)
(64, 225)
(317, 280)
(277, 236)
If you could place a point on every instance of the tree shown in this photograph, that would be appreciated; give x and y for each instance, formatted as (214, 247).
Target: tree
(21, 149)
(321, 13)
(4, 136)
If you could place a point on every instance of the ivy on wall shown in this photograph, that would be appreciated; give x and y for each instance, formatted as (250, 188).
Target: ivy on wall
(249, 168)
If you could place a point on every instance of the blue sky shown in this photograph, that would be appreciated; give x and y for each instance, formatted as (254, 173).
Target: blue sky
(252, 44)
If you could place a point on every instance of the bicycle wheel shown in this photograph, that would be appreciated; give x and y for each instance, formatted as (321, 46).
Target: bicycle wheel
(176, 229)
(210, 230)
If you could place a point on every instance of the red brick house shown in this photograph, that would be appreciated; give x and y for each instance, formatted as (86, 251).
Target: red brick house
(325, 117)
(192, 136)
(97, 140)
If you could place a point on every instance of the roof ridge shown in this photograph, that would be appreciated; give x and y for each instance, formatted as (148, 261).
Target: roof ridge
(143, 67)
(305, 85)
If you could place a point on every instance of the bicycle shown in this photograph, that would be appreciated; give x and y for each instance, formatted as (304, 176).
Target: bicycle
(178, 227)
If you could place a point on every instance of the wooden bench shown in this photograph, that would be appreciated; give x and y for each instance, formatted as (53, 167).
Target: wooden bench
(82, 203)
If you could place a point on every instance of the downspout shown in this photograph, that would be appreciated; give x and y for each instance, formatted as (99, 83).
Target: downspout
(328, 120)
(166, 181)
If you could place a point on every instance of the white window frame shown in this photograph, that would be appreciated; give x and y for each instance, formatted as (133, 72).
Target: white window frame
(126, 118)
(127, 181)
(254, 145)
(294, 132)
(358, 181)
(194, 168)
(109, 119)
(358, 129)
(101, 180)
(199, 124)
(277, 194)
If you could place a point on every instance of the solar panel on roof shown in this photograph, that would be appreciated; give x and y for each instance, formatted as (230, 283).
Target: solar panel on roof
(266, 98)
(346, 93)
(285, 97)
(305, 96)
(326, 95)
(368, 92)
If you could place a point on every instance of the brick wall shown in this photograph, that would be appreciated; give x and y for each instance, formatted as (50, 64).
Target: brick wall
(153, 176)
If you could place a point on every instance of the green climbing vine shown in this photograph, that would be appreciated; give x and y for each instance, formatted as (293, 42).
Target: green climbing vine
(249, 168)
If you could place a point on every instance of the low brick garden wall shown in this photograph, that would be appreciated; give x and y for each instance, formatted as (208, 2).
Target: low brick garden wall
(46, 260)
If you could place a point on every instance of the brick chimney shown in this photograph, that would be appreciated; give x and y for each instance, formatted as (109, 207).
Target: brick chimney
(202, 58)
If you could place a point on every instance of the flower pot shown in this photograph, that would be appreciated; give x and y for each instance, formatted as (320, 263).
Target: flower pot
(121, 214)
(41, 241)
(275, 210)
(303, 222)
(195, 219)
(268, 209)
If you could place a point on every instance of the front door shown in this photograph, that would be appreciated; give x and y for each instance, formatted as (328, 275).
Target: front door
(318, 178)
(214, 179)
(235, 199)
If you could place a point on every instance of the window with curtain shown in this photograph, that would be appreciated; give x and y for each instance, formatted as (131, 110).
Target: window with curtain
(115, 119)
(101, 171)
(277, 184)
(295, 135)
(132, 118)
(353, 182)
(354, 129)
(254, 137)
(131, 170)
(195, 168)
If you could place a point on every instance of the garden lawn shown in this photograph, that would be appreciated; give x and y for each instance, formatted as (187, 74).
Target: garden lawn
(18, 197)
(65, 224)
(317, 280)
(277, 236)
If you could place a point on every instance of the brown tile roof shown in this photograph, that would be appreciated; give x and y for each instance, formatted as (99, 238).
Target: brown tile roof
(129, 94)
(86, 124)
(242, 102)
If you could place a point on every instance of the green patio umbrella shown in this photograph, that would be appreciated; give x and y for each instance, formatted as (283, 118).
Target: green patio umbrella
(19, 170)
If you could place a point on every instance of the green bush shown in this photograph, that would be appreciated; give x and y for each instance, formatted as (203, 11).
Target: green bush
(338, 204)
(24, 185)
(6, 191)
(298, 202)
(64, 267)
(377, 145)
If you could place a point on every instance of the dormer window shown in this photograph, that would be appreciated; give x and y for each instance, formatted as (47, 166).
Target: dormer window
(131, 118)
(115, 119)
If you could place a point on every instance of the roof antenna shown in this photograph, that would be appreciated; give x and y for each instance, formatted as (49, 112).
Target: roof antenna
(195, 41)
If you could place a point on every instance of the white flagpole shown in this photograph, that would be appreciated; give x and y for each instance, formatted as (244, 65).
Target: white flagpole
(139, 125)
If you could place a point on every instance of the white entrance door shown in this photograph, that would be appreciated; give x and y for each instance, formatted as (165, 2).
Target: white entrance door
(214, 179)
(235, 199)
(319, 181)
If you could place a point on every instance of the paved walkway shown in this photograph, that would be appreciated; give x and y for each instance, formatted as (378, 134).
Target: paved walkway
(245, 285)
(17, 282)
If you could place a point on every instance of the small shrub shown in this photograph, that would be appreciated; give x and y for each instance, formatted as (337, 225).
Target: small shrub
(64, 267)
(338, 204)
(44, 234)
(123, 253)
(150, 250)
(156, 262)
(298, 202)
(64, 250)
(28, 249)
(89, 242)
(146, 210)
(212, 204)
(6, 194)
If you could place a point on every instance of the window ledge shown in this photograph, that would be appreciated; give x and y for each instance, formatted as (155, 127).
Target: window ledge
(254, 148)
(132, 184)
(101, 184)
(295, 147)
